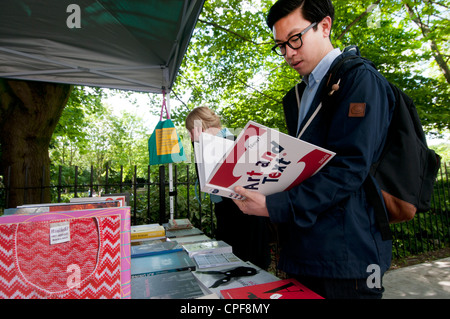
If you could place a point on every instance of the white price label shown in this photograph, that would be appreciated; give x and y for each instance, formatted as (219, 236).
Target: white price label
(59, 233)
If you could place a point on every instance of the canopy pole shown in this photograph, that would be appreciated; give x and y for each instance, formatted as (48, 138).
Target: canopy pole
(171, 196)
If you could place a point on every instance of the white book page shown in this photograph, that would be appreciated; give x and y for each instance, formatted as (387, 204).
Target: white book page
(213, 148)
(199, 161)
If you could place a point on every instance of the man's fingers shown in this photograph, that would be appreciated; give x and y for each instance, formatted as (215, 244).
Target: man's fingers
(243, 192)
(253, 204)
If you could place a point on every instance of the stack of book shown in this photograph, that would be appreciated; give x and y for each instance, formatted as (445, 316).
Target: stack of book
(123, 198)
(165, 275)
(143, 233)
(156, 264)
(170, 285)
(188, 264)
(175, 224)
(207, 247)
(212, 253)
(178, 233)
(156, 247)
(160, 267)
(182, 231)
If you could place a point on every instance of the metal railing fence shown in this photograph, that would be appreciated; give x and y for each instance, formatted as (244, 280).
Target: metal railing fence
(149, 201)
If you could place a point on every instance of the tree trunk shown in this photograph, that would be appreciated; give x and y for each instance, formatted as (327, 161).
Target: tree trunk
(29, 112)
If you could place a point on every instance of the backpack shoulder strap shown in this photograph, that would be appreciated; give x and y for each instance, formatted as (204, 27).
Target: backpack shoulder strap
(339, 70)
(336, 75)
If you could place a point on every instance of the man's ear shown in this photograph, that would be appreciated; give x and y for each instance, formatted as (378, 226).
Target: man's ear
(325, 26)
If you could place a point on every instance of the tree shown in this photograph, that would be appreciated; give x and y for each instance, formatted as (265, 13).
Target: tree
(29, 113)
(230, 67)
(69, 139)
(90, 134)
(434, 29)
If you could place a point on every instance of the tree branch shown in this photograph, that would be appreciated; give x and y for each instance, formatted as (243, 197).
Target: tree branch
(434, 47)
(232, 32)
(368, 10)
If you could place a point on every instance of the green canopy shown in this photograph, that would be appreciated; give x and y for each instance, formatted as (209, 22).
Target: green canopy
(124, 44)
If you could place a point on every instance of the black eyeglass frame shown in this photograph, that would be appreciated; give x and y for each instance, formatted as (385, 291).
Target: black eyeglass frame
(282, 45)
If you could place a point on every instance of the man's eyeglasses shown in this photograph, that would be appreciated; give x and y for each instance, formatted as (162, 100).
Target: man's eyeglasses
(294, 42)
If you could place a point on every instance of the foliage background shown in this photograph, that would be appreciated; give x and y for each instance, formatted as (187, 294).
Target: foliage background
(229, 66)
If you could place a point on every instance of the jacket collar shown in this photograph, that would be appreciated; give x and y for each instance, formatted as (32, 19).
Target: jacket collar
(351, 50)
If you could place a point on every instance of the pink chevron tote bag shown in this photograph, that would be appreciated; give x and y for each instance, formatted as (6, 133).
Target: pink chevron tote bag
(66, 255)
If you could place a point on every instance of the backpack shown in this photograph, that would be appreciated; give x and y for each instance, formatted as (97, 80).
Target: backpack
(407, 168)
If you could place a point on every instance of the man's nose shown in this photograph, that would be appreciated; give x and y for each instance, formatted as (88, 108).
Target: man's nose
(290, 52)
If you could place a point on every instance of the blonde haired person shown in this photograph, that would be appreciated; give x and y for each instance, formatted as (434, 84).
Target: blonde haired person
(210, 121)
(248, 235)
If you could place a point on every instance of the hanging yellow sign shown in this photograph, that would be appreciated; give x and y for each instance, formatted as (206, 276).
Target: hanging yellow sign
(167, 141)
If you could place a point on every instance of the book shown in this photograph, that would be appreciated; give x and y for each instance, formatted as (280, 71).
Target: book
(261, 159)
(215, 260)
(182, 223)
(190, 239)
(208, 279)
(173, 285)
(280, 289)
(58, 207)
(207, 247)
(159, 264)
(176, 233)
(122, 198)
(209, 296)
(148, 241)
(150, 248)
(150, 231)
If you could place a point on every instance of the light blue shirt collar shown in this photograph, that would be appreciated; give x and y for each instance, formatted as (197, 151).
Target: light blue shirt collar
(312, 84)
(321, 69)
(225, 133)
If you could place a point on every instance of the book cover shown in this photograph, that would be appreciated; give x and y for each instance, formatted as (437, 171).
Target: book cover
(59, 207)
(148, 241)
(216, 260)
(141, 232)
(261, 159)
(207, 247)
(149, 249)
(173, 285)
(123, 199)
(280, 289)
(183, 232)
(182, 223)
(158, 264)
(190, 239)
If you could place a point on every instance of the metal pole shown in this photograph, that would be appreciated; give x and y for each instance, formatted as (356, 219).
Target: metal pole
(171, 202)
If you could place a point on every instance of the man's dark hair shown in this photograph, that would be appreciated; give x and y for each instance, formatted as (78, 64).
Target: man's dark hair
(312, 10)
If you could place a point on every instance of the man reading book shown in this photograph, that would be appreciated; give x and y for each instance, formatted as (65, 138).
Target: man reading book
(331, 242)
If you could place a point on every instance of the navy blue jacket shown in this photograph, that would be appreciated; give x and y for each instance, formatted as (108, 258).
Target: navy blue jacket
(328, 227)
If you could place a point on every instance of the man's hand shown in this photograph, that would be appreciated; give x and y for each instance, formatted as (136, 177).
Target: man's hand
(253, 204)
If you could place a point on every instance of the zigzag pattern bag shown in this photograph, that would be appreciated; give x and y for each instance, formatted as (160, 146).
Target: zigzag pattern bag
(65, 255)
